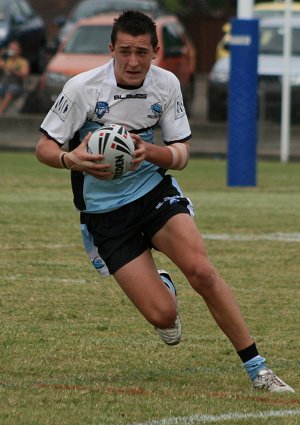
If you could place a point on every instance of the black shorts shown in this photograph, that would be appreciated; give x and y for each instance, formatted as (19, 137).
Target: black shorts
(125, 233)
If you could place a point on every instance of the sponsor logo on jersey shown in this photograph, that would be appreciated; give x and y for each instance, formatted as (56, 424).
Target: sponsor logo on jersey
(101, 108)
(179, 108)
(156, 111)
(62, 106)
(171, 199)
(130, 96)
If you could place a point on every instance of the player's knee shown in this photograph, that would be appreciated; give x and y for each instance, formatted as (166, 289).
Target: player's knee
(163, 316)
(203, 277)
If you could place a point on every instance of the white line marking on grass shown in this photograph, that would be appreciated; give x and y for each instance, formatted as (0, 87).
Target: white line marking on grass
(281, 237)
(278, 236)
(54, 279)
(205, 419)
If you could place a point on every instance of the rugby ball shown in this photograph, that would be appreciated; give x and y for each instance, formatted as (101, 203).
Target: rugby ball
(116, 145)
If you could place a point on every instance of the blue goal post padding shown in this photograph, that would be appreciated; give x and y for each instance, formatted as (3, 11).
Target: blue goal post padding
(242, 103)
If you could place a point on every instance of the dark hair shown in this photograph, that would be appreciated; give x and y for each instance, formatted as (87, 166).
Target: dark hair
(134, 23)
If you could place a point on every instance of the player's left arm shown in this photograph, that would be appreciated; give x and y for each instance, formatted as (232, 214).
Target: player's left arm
(175, 156)
(175, 130)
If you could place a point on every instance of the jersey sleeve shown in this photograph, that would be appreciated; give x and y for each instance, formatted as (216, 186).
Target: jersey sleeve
(174, 123)
(67, 114)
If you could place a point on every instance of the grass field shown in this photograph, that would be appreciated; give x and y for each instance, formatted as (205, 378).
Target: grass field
(74, 351)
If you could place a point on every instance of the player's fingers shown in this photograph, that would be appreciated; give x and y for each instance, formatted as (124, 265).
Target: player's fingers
(86, 139)
(137, 140)
(103, 175)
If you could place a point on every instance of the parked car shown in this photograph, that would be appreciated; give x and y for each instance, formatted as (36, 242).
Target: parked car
(19, 21)
(89, 8)
(270, 72)
(86, 47)
(260, 10)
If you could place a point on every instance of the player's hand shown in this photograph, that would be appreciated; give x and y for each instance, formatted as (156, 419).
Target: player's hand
(139, 152)
(81, 160)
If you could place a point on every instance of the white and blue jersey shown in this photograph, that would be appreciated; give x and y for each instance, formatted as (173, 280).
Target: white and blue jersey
(93, 99)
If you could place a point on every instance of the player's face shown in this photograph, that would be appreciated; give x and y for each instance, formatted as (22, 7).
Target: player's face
(133, 56)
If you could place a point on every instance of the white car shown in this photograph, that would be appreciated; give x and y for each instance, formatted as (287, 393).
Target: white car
(270, 71)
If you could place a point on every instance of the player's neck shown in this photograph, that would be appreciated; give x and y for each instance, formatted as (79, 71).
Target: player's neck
(128, 87)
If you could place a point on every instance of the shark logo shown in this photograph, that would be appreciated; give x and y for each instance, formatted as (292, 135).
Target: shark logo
(156, 110)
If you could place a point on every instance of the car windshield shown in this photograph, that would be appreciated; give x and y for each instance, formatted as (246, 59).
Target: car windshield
(89, 40)
(90, 8)
(2, 14)
(271, 41)
(273, 13)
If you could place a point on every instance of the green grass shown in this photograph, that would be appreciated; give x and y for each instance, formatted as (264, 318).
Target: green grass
(74, 351)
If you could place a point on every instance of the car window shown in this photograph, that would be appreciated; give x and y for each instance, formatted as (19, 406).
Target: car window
(15, 10)
(172, 39)
(271, 41)
(90, 8)
(86, 10)
(89, 40)
(20, 9)
(273, 13)
(2, 11)
(25, 9)
(296, 42)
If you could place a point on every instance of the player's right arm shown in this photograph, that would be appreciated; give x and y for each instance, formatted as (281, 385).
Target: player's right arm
(50, 153)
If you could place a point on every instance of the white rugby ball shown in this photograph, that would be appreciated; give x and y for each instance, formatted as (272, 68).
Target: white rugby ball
(116, 145)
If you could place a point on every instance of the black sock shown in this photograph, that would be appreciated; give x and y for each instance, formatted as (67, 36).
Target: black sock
(248, 353)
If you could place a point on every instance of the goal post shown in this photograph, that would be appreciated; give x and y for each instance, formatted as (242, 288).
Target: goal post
(242, 103)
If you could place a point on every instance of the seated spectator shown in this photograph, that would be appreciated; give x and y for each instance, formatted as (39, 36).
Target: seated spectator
(14, 69)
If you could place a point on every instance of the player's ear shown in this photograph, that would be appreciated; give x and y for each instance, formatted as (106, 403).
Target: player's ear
(155, 52)
(111, 48)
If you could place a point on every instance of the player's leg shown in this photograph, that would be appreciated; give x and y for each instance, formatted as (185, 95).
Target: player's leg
(142, 284)
(180, 240)
(170, 335)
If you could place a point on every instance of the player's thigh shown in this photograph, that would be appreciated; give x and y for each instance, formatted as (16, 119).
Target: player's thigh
(181, 241)
(142, 284)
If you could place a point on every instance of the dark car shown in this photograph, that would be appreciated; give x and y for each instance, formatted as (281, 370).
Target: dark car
(89, 8)
(19, 21)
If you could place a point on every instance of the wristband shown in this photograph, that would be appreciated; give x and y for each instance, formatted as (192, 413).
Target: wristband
(62, 160)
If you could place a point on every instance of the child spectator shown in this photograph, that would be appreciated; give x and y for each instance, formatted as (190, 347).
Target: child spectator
(14, 70)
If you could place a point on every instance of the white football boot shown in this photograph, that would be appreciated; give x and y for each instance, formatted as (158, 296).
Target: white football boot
(267, 380)
(170, 336)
